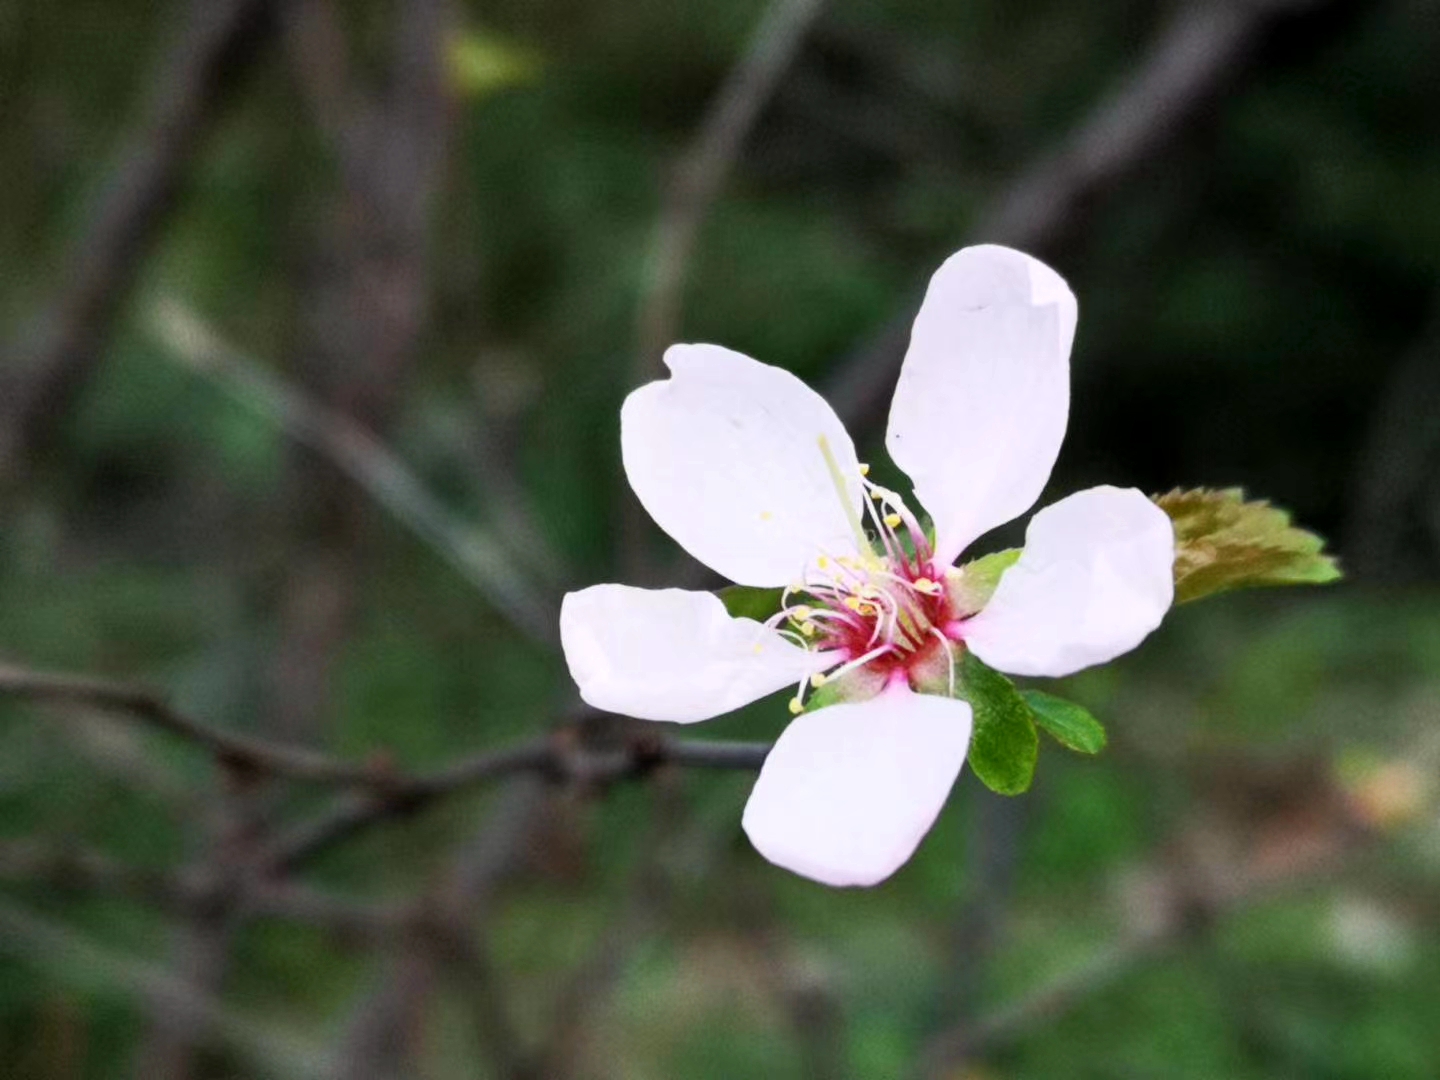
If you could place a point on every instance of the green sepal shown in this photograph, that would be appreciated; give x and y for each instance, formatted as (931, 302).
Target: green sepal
(1069, 724)
(1004, 745)
(750, 602)
(1224, 542)
(972, 585)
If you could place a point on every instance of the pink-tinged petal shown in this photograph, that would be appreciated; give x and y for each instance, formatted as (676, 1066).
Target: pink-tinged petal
(725, 455)
(671, 654)
(980, 409)
(1096, 576)
(850, 790)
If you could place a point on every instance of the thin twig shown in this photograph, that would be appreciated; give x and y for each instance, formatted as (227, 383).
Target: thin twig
(469, 549)
(697, 180)
(357, 812)
(278, 759)
(389, 789)
(58, 950)
(704, 167)
(1191, 61)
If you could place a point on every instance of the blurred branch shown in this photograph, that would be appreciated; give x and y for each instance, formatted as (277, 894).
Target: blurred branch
(379, 1041)
(128, 211)
(1196, 56)
(56, 949)
(1278, 834)
(69, 869)
(366, 298)
(641, 912)
(554, 757)
(201, 943)
(696, 181)
(557, 755)
(1396, 460)
(704, 167)
(345, 443)
(234, 751)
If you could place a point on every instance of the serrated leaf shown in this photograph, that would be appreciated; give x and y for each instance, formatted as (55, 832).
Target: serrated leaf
(750, 602)
(1004, 745)
(972, 585)
(1071, 725)
(1223, 542)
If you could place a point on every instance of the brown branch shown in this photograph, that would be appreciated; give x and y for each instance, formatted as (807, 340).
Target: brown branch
(1196, 56)
(124, 221)
(235, 751)
(387, 790)
(697, 180)
(201, 943)
(704, 167)
(362, 457)
(553, 757)
(379, 1043)
(56, 949)
(1283, 834)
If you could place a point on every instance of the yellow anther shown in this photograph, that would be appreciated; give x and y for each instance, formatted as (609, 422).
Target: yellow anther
(877, 494)
(808, 629)
(853, 603)
(801, 613)
(892, 520)
(796, 706)
(823, 563)
(766, 515)
(864, 469)
(925, 585)
(818, 679)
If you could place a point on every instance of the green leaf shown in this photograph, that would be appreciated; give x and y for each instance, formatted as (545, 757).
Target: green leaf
(1223, 542)
(1071, 725)
(479, 64)
(972, 585)
(750, 602)
(1004, 745)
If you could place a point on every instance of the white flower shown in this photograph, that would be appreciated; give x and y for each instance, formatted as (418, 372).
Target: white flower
(751, 472)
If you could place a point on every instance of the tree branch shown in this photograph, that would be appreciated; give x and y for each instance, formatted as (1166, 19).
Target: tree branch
(702, 170)
(1194, 58)
(124, 221)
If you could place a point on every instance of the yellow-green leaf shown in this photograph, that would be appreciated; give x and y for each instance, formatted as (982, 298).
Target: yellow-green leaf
(1224, 541)
(972, 585)
(1069, 724)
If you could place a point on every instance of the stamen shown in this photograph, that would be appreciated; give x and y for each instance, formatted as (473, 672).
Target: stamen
(818, 679)
(860, 661)
(892, 520)
(796, 706)
(864, 469)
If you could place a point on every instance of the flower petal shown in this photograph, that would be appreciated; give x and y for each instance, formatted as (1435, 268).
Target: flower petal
(850, 790)
(980, 409)
(671, 654)
(725, 455)
(1095, 577)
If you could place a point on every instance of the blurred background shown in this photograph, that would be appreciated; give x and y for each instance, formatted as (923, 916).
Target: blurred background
(316, 316)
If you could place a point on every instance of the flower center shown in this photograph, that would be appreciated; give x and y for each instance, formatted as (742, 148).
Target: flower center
(882, 608)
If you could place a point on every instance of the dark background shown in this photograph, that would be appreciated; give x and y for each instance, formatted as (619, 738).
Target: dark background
(467, 230)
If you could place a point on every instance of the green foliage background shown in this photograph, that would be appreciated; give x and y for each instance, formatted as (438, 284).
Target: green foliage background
(1250, 303)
